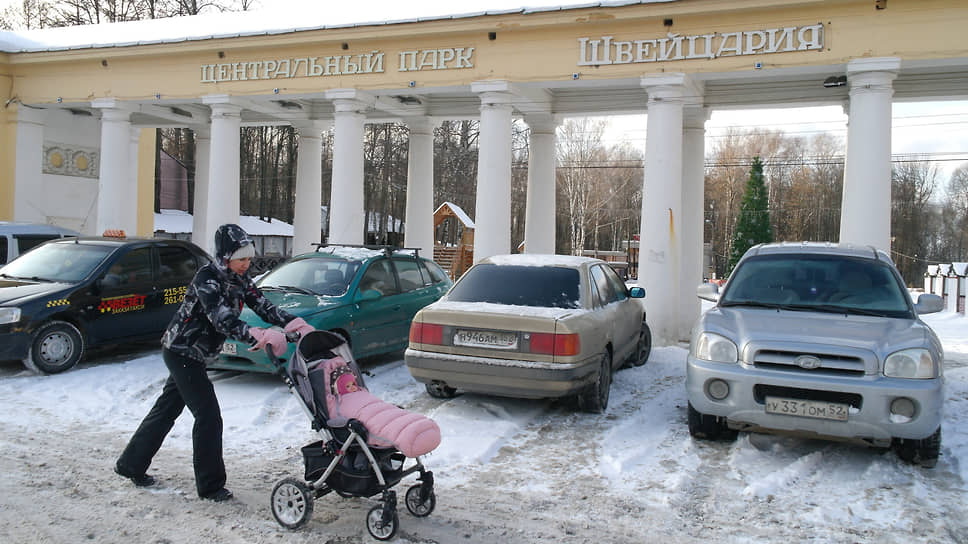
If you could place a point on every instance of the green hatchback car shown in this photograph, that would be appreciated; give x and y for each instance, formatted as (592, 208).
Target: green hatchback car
(367, 294)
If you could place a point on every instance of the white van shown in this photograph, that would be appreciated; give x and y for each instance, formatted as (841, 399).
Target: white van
(17, 237)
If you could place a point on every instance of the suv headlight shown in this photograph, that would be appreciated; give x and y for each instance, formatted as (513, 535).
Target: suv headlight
(714, 347)
(9, 315)
(911, 363)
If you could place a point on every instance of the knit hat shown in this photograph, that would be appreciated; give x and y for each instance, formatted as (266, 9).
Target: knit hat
(230, 239)
(245, 252)
(346, 384)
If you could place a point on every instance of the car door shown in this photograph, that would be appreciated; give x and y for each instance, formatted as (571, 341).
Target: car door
(416, 291)
(380, 310)
(615, 312)
(123, 309)
(176, 268)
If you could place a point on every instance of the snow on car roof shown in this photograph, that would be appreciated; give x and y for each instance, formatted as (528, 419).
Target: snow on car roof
(531, 259)
(351, 253)
(492, 308)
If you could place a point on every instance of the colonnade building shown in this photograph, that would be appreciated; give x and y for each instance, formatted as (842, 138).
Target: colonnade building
(81, 103)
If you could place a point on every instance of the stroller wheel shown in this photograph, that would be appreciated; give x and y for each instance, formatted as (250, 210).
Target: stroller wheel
(292, 503)
(417, 507)
(379, 528)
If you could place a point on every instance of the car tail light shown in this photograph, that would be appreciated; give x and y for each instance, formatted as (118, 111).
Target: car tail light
(555, 344)
(426, 333)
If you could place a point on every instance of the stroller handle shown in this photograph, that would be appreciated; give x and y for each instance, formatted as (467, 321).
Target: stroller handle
(292, 338)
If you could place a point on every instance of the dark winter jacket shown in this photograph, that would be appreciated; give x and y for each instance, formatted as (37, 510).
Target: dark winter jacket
(213, 302)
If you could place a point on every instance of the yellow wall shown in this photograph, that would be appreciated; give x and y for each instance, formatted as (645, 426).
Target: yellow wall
(146, 183)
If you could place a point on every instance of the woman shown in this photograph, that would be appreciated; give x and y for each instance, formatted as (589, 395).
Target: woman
(209, 314)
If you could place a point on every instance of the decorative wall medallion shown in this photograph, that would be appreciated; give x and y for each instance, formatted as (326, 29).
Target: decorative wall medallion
(66, 160)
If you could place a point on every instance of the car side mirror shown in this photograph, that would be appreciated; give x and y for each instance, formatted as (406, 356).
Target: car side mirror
(637, 292)
(929, 304)
(369, 294)
(708, 291)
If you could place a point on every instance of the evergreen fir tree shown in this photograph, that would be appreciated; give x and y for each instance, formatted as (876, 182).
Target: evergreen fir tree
(753, 223)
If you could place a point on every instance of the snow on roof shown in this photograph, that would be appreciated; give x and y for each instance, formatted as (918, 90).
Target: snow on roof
(532, 259)
(505, 309)
(459, 212)
(351, 253)
(960, 268)
(328, 15)
(178, 222)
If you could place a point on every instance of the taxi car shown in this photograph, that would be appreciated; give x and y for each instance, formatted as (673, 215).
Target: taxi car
(68, 295)
(821, 340)
(366, 294)
(531, 326)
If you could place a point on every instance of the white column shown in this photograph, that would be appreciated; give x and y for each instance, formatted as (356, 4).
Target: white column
(129, 190)
(346, 197)
(865, 214)
(492, 216)
(223, 171)
(693, 185)
(419, 231)
(28, 195)
(306, 224)
(539, 217)
(203, 148)
(115, 166)
(660, 232)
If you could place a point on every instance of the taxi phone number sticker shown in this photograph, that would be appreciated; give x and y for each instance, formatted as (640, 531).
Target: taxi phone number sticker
(175, 295)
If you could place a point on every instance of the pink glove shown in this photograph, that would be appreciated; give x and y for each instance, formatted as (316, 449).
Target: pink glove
(267, 336)
(299, 325)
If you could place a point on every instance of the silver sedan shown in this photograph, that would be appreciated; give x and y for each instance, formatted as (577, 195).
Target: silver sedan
(531, 326)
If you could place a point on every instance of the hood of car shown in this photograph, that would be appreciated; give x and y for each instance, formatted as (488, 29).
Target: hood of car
(879, 335)
(20, 291)
(297, 304)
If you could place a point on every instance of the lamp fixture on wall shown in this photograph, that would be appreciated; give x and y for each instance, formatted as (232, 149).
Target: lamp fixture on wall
(835, 81)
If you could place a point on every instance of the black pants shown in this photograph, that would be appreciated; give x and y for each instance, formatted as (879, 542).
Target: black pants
(187, 385)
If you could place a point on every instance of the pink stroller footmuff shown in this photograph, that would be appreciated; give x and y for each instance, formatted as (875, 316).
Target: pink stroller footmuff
(387, 425)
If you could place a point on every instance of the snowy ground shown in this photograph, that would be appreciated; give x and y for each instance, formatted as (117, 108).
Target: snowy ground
(507, 471)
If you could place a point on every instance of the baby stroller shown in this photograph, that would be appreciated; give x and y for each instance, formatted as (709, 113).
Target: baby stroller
(350, 459)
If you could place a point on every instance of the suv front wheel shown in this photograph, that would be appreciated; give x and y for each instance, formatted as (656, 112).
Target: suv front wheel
(57, 346)
(709, 427)
(922, 452)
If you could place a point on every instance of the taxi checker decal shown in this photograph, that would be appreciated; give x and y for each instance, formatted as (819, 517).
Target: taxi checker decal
(124, 303)
(58, 302)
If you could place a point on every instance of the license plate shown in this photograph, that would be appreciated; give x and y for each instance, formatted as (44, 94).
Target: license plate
(486, 339)
(229, 348)
(807, 408)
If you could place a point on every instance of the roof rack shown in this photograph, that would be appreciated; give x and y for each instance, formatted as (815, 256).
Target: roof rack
(387, 250)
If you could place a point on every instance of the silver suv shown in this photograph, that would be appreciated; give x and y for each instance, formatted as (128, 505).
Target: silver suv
(818, 339)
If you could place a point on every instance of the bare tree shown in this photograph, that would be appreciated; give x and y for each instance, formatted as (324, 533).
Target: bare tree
(580, 154)
(912, 186)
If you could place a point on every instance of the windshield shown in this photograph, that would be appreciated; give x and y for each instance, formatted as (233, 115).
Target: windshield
(822, 283)
(542, 286)
(317, 276)
(67, 262)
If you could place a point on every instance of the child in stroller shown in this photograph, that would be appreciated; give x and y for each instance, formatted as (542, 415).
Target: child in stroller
(365, 444)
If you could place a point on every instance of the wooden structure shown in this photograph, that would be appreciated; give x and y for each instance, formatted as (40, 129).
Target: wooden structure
(453, 239)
